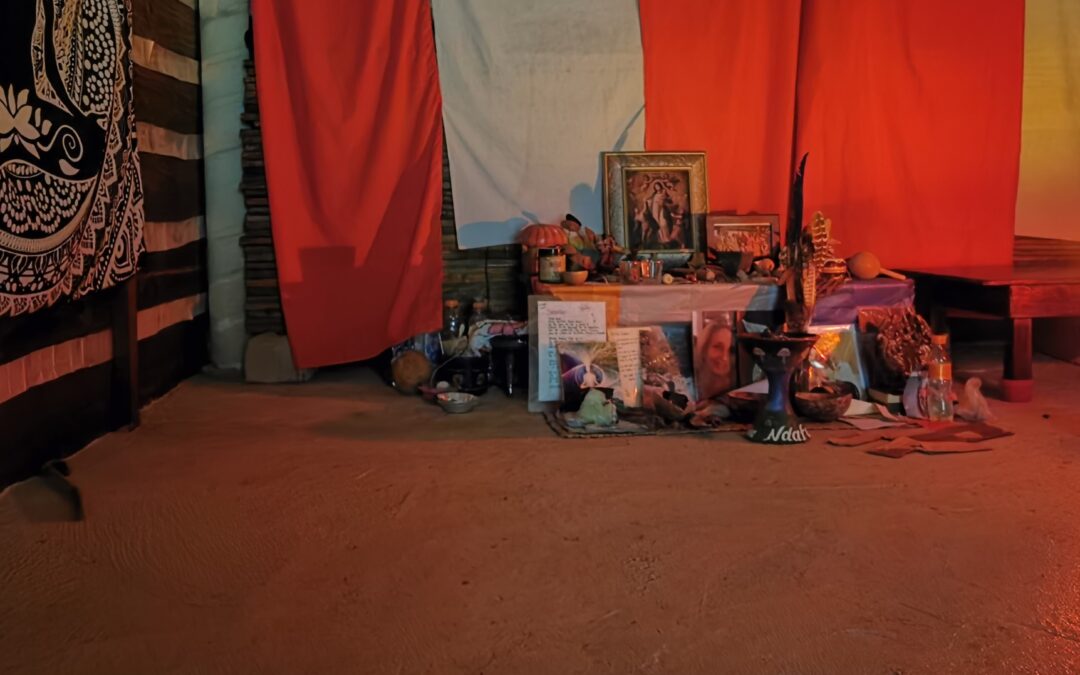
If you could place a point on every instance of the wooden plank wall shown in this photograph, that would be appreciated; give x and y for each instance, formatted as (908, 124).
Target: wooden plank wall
(55, 365)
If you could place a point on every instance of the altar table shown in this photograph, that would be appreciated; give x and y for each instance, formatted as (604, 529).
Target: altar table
(650, 304)
(645, 304)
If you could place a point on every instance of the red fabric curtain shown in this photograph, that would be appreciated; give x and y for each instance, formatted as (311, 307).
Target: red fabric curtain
(720, 77)
(910, 110)
(352, 134)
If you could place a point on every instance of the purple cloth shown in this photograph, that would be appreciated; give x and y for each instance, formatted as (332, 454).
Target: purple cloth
(842, 307)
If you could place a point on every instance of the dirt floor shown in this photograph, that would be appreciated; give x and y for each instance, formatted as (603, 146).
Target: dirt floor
(338, 527)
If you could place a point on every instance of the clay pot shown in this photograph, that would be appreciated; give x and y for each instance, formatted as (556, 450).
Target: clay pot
(575, 278)
(744, 405)
(542, 236)
(822, 406)
(410, 370)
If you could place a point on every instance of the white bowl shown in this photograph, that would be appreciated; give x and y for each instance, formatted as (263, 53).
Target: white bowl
(457, 402)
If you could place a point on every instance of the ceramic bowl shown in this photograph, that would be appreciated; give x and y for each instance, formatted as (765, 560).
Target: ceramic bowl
(457, 402)
(822, 406)
(575, 278)
(744, 405)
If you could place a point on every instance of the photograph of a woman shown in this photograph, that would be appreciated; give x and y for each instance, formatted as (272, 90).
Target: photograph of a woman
(714, 353)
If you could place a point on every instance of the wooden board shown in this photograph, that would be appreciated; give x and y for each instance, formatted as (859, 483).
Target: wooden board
(167, 102)
(173, 187)
(170, 23)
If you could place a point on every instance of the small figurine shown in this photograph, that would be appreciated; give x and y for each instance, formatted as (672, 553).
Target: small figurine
(597, 410)
(583, 246)
(765, 267)
(609, 255)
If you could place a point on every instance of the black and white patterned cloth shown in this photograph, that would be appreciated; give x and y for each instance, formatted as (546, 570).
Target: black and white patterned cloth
(71, 200)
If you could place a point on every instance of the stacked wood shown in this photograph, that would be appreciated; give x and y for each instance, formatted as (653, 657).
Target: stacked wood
(262, 307)
(1038, 252)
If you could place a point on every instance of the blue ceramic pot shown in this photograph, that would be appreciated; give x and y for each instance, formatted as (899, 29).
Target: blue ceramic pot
(779, 356)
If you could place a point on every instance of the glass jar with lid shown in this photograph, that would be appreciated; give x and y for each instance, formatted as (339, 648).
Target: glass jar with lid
(552, 263)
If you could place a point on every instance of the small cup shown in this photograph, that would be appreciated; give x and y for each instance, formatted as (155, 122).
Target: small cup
(630, 271)
(652, 271)
(641, 271)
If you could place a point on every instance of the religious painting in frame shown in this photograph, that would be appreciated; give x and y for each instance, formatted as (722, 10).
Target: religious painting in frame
(757, 235)
(656, 202)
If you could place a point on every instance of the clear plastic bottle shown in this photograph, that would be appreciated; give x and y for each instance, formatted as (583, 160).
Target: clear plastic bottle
(453, 320)
(939, 391)
(479, 313)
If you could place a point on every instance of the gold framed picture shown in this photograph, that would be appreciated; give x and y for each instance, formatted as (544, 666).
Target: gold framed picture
(757, 235)
(655, 202)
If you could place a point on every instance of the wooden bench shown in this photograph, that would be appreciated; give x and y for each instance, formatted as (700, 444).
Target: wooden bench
(1042, 282)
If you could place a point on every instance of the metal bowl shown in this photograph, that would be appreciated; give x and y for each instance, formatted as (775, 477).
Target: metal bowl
(457, 402)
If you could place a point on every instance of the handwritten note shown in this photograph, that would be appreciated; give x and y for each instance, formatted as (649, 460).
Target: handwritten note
(564, 322)
(628, 350)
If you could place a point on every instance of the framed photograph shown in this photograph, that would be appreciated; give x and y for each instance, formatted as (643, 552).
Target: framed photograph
(667, 364)
(715, 358)
(756, 235)
(585, 366)
(836, 357)
(656, 202)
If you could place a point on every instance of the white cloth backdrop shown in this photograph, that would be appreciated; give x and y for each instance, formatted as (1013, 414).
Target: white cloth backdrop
(533, 91)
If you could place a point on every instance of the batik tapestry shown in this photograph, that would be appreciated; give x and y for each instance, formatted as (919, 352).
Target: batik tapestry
(71, 210)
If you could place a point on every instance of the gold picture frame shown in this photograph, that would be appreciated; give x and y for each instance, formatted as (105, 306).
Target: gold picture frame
(656, 202)
(756, 234)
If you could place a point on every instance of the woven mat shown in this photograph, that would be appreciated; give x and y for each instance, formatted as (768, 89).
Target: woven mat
(558, 424)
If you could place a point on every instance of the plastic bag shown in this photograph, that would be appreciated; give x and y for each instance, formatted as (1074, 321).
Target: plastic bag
(973, 406)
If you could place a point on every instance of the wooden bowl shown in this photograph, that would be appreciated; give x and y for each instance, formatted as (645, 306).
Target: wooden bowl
(822, 406)
(575, 278)
(744, 405)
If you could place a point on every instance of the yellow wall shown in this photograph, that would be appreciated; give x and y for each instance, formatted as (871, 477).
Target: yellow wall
(1048, 202)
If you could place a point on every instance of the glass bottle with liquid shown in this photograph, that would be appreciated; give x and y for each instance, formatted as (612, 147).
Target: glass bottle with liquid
(939, 389)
